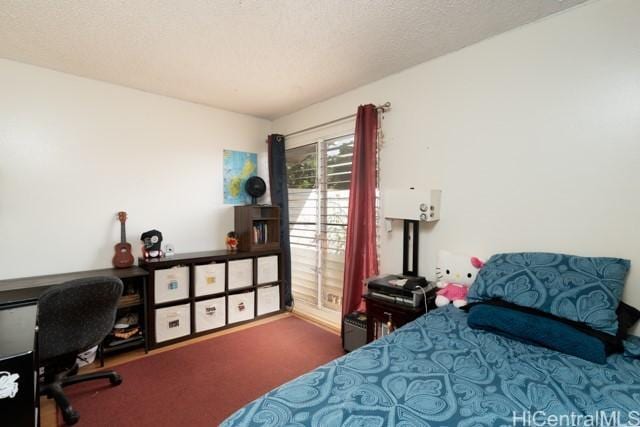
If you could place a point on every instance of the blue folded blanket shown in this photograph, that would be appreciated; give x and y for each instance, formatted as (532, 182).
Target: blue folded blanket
(537, 330)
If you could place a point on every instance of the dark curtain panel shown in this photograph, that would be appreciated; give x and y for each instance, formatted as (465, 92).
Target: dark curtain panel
(361, 257)
(280, 197)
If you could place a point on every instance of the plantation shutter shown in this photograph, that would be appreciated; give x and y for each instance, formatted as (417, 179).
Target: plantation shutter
(319, 176)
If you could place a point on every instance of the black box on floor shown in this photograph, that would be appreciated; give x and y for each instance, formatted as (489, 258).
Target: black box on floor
(354, 331)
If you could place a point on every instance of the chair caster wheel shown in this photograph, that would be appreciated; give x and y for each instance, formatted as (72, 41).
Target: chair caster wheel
(115, 379)
(70, 416)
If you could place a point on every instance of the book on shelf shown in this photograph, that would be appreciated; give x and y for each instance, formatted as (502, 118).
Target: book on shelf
(129, 300)
(260, 233)
(123, 335)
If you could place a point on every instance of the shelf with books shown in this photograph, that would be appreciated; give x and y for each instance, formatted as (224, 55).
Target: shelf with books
(130, 328)
(132, 300)
(258, 227)
(260, 232)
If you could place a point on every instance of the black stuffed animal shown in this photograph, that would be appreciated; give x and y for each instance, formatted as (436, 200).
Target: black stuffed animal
(152, 241)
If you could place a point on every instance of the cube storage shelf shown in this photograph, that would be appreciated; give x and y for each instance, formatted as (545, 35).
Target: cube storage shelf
(193, 294)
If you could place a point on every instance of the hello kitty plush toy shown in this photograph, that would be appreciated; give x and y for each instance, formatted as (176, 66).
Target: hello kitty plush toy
(455, 274)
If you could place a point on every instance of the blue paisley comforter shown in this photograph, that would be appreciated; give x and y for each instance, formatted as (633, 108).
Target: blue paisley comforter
(436, 371)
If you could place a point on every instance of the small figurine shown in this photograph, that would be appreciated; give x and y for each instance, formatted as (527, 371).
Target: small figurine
(456, 274)
(231, 241)
(152, 244)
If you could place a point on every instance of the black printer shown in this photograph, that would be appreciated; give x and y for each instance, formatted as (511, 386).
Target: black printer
(399, 289)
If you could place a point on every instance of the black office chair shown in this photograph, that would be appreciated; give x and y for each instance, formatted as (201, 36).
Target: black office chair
(72, 318)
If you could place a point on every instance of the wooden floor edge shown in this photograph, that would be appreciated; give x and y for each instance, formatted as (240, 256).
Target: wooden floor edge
(317, 321)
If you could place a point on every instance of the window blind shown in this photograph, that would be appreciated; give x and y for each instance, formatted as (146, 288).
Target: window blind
(319, 175)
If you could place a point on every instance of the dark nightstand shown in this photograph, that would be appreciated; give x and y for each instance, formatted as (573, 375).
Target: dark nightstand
(380, 313)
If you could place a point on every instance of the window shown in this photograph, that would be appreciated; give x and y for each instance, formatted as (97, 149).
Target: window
(319, 176)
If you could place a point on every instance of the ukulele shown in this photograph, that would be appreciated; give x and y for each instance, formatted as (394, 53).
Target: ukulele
(122, 257)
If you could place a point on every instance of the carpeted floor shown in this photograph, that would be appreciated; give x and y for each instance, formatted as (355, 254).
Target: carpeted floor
(203, 383)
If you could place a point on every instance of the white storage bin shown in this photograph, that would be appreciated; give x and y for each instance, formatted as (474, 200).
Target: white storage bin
(267, 269)
(210, 314)
(209, 279)
(268, 299)
(241, 307)
(171, 284)
(173, 322)
(240, 273)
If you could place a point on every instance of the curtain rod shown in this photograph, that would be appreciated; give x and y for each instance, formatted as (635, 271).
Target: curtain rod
(384, 107)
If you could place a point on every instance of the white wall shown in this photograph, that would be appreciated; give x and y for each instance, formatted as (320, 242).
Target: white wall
(74, 151)
(533, 136)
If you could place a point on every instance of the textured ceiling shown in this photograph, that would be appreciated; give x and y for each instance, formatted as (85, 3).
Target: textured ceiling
(264, 58)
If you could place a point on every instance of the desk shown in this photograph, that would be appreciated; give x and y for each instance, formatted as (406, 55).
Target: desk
(27, 290)
(18, 338)
(20, 297)
(18, 366)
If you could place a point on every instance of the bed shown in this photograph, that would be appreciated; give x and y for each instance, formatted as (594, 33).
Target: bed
(437, 371)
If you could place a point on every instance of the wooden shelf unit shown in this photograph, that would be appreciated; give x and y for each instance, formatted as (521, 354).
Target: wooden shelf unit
(191, 261)
(381, 313)
(257, 217)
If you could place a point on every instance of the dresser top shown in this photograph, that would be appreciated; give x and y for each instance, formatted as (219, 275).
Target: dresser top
(201, 257)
